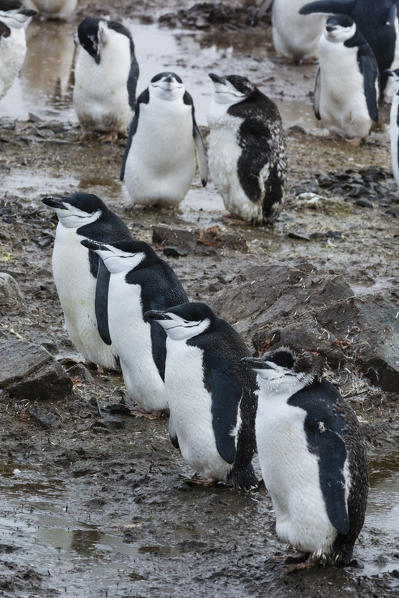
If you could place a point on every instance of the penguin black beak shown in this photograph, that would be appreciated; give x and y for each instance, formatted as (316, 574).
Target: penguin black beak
(27, 12)
(217, 79)
(93, 245)
(255, 363)
(155, 315)
(330, 28)
(53, 202)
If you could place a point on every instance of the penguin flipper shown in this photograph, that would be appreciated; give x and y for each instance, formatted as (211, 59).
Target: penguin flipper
(172, 433)
(344, 7)
(101, 302)
(132, 81)
(4, 30)
(316, 95)
(143, 98)
(369, 69)
(393, 11)
(199, 143)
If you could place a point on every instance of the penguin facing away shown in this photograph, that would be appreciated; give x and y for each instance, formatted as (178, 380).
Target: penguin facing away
(312, 457)
(106, 74)
(53, 9)
(164, 139)
(247, 155)
(139, 281)
(294, 36)
(378, 23)
(13, 20)
(211, 401)
(346, 87)
(394, 126)
(80, 277)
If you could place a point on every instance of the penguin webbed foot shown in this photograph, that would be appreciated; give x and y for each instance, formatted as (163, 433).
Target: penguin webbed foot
(155, 414)
(197, 481)
(355, 141)
(110, 137)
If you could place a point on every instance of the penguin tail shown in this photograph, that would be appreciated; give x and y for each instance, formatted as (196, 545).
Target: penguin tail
(243, 478)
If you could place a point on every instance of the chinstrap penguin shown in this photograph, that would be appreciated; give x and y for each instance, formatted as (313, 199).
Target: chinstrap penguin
(346, 87)
(53, 9)
(164, 138)
(294, 36)
(139, 281)
(211, 400)
(378, 23)
(106, 74)
(14, 18)
(247, 156)
(80, 277)
(312, 457)
(394, 126)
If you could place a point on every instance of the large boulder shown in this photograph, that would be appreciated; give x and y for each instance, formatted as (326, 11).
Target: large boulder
(28, 371)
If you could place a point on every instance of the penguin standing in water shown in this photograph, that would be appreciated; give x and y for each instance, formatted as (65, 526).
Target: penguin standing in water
(211, 400)
(53, 9)
(377, 22)
(394, 126)
(312, 457)
(106, 74)
(164, 138)
(346, 88)
(77, 271)
(247, 156)
(294, 36)
(139, 281)
(13, 20)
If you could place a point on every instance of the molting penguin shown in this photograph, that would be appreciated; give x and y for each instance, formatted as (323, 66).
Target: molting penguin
(376, 20)
(312, 457)
(294, 36)
(106, 74)
(346, 87)
(211, 401)
(53, 9)
(394, 126)
(139, 281)
(13, 20)
(246, 150)
(159, 162)
(80, 277)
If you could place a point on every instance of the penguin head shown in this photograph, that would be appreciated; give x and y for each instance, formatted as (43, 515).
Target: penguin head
(231, 89)
(91, 36)
(339, 28)
(167, 86)
(14, 15)
(284, 371)
(184, 321)
(123, 256)
(78, 209)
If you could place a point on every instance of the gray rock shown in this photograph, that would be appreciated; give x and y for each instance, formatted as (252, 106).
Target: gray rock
(81, 372)
(10, 295)
(28, 371)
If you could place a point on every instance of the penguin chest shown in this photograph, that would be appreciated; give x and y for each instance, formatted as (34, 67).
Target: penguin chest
(291, 475)
(294, 35)
(161, 162)
(12, 55)
(53, 8)
(131, 338)
(191, 409)
(100, 94)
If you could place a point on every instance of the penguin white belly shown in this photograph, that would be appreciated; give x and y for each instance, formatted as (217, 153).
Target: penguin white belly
(160, 165)
(190, 407)
(223, 154)
(76, 288)
(394, 136)
(12, 56)
(291, 475)
(295, 36)
(60, 9)
(343, 107)
(100, 95)
(131, 337)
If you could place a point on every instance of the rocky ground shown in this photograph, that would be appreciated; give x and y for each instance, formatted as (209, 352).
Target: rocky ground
(92, 498)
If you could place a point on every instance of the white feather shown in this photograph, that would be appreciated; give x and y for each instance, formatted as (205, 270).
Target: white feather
(55, 9)
(12, 56)
(295, 36)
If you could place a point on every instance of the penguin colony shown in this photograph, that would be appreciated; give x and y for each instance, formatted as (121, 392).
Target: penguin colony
(132, 311)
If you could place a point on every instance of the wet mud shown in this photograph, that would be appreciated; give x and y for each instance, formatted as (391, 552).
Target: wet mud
(93, 500)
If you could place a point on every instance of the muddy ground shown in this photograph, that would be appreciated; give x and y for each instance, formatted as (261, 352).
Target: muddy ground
(92, 499)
